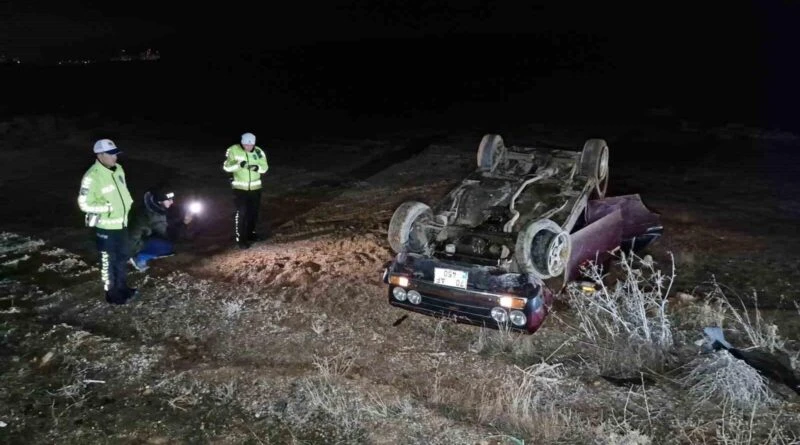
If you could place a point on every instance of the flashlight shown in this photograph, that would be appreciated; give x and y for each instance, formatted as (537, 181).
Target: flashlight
(195, 207)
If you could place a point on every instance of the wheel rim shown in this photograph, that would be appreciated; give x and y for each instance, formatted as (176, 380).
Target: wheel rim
(557, 254)
(602, 170)
(602, 175)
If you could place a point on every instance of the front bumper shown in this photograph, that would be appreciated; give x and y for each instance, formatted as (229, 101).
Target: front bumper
(487, 289)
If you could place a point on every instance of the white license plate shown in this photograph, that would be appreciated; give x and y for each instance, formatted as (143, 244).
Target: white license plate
(450, 277)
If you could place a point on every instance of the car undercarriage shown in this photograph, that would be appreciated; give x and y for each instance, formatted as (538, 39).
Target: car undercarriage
(528, 214)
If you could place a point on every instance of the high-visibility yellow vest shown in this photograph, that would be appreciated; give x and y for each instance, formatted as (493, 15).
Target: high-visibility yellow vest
(104, 193)
(244, 178)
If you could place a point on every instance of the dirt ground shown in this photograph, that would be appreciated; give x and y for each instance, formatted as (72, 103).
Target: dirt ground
(293, 340)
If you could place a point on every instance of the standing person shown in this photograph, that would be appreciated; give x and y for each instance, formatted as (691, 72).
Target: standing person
(247, 163)
(105, 199)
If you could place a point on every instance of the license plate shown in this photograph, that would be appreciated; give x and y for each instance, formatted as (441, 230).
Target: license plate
(450, 277)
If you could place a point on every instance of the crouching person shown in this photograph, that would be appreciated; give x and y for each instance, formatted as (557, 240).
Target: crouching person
(152, 233)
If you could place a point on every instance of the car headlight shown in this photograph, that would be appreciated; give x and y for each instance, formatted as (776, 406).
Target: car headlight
(399, 294)
(499, 314)
(518, 318)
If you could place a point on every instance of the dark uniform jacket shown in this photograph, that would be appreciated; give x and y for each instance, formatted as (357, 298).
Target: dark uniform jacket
(148, 219)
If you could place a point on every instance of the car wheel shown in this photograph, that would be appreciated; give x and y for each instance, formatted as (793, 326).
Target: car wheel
(489, 149)
(405, 232)
(594, 165)
(543, 249)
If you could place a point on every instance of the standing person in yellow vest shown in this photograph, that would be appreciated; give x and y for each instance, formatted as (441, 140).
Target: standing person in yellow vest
(105, 199)
(247, 163)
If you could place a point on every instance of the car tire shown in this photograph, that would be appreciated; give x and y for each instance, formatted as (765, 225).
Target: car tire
(403, 235)
(543, 249)
(490, 147)
(594, 165)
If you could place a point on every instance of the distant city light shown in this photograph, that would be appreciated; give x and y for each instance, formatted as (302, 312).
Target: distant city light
(147, 55)
(75, 62)
(8, 60)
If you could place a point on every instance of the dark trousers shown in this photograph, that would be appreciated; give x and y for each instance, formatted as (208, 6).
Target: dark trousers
(113, 248)
(248, 203)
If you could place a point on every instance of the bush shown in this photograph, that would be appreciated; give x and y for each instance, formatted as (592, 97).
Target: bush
(720, 377)
(628, 316)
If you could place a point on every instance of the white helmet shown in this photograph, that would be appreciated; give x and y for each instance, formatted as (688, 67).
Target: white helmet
(248, 138)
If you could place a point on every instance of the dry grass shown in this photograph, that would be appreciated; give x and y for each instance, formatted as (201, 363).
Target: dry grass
(619, 432)
(634, 308)
(233, 308)
(79, 381)
(503, 341)
(626, 322)
(337, 411)
(243, 356)
(549, 401)
(332, 368)
(721, 378)
(528, 405)
(735, 426)
(756, 331)
(225, 392)
(185, 397)
(738, 401)
(343, 407)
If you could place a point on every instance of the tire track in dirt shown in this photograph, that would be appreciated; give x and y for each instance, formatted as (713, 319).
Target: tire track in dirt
(322, 259)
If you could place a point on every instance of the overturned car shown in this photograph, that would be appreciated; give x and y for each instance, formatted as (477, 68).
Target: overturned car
(499, 246)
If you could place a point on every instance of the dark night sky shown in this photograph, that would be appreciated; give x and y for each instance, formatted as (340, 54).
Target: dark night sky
(711, 52)
(35, 29)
